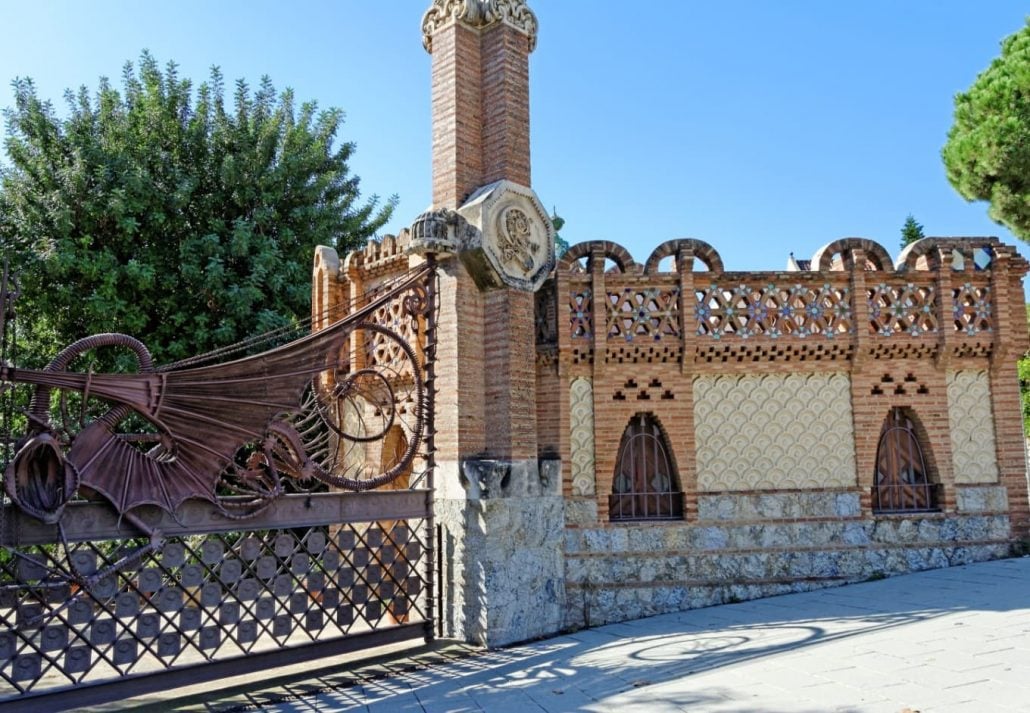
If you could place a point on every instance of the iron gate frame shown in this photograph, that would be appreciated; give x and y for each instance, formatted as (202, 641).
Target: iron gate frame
(89, 522)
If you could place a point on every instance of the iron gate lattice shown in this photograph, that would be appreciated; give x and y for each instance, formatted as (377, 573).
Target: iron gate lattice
(281, 562)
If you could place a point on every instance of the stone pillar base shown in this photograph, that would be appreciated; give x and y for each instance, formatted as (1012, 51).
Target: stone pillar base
(503, 578)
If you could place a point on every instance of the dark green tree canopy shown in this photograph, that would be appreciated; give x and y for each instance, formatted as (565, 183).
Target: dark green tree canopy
(161, 212)
(987, 155)
(911, 231)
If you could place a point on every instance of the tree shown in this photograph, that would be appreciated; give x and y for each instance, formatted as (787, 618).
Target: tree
(165, 214)
(911, 231)
(1024, 382)
(987, 155)
(560, 244)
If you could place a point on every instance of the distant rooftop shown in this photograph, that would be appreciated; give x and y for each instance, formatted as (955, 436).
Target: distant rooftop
(795, 265)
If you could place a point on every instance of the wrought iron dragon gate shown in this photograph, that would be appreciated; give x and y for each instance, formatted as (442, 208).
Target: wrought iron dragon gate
(203, 518)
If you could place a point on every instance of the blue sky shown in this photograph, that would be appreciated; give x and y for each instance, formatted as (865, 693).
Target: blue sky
(760, 127)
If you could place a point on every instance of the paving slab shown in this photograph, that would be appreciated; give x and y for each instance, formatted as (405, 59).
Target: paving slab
(943, 641)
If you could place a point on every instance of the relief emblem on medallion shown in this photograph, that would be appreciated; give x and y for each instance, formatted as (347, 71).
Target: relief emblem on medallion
(516, 238)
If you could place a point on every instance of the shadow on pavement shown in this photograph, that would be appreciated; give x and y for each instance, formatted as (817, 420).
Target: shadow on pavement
(612, 667)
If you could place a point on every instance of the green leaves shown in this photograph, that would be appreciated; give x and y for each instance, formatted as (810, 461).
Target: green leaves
(911, 231)
(987, 155)
(1023, 367)
(156, 211)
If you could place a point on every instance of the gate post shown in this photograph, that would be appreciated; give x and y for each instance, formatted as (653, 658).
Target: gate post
(499, 505)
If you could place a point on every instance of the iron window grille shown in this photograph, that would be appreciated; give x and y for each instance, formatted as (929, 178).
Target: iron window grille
(903, 482)
(646, 484)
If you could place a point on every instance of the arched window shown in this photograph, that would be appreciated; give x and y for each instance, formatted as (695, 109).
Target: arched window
(646, 486)
(902, 480)
(395, 446)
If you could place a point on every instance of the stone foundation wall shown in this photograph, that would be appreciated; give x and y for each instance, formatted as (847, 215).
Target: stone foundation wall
(746, 546)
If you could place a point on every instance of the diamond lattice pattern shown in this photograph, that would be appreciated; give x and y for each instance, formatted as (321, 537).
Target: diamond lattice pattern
(201, 598)
(971, 308)
(650, 313)
(581, 321)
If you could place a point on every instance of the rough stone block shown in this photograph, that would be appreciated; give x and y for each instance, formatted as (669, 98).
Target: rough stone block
(644, 538)
(847, 505)
(988, 498)
(855, 533)
(597, 540)
(581, 512)
(712, 538)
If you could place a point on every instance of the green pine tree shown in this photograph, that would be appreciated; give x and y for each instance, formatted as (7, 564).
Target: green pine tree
(988, 148)
(911, 231)
(560, 244)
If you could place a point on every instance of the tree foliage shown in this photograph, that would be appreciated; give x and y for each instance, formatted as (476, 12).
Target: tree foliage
(987, 155)
(1024, 382)
(163, 212)
(561, 245)
(911, 231)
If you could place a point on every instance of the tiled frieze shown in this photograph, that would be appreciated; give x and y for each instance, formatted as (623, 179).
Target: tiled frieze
(648, 314)
(581, 316)
(905, 308)
(772, 310)
(971, 308)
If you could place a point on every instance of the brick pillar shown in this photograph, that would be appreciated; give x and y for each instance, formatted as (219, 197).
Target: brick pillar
(500, 507)
(505, 111)
(599, 305)
(457, 114)
(480, 95)
(947, 338)
(510, 373)
(867, 417)
(687, 448)
(1010, 340)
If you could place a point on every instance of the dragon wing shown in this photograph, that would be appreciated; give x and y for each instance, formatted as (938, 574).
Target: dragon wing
(205, 413)
(208, 414)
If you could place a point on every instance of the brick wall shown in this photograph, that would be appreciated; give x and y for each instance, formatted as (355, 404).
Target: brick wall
(645, 337)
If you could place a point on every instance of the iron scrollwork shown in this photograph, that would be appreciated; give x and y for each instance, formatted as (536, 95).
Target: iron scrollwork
(314, 413)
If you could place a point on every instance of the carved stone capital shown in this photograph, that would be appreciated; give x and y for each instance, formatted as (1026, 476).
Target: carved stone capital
(492, 479)
(478, 14)
(442, 231)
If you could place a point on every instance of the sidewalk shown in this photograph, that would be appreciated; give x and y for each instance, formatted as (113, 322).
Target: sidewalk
(947, 640)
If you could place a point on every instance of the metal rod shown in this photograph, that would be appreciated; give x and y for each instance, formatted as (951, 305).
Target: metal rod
(93, 521)
(86, 694)
(429, 424)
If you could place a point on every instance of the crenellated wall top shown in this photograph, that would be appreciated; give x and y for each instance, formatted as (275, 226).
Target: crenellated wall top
(973, 254)
(478, 14)
(942, 296)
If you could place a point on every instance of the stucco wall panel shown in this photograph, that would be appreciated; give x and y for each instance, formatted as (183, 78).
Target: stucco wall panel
(581, 441)
(972, 427)
(774, 431)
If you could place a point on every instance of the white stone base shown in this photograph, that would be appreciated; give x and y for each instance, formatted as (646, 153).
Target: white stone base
(503, 578)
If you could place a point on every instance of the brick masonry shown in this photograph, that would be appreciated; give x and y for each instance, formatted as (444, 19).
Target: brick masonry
(938, 342)
(936, 333)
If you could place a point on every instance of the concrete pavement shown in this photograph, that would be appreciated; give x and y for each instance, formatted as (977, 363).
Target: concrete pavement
(947, 640)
